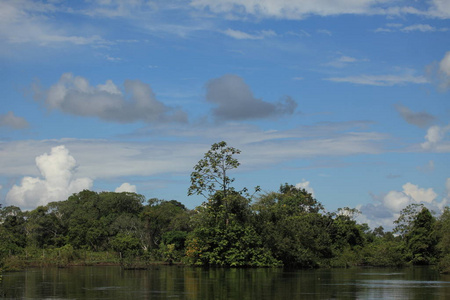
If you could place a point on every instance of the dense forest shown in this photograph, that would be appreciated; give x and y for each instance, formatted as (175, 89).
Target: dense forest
(232, 228)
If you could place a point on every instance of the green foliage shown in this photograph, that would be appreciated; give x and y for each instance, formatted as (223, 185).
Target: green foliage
(169, 253)
(288, 227)
(383, 253)
(442, 230)
(126, 245)
(176, 238)
(416, 226)
(161, 217)
(292, 227)
(223, 236)
(421, 240)
(406, 219)
(211, 172)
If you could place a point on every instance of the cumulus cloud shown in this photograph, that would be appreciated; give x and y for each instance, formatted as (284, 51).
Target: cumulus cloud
(74, 95)
(12, 121)
(439, 72)
(126, 187)
(435, 139)
(444, 64)
(440, 9)
(420, 119)
(386, 209)
(305, 185)
(57, 181)
(235, 101)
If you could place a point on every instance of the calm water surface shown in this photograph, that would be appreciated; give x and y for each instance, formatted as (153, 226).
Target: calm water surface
(173, 282)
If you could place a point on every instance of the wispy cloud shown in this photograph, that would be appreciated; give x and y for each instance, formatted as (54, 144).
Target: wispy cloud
(295, 10)
(31, 22)
(381, 80)
(411, 28)
(240, 35)
(344, 61)
(260, 148)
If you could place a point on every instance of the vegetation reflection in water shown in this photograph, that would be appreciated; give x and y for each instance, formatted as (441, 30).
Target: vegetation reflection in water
(177, 282)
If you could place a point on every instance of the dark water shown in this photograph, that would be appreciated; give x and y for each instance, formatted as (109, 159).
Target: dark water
(173, 282)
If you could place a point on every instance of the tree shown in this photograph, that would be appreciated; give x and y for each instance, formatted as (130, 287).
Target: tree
(226, 237)
(211, 172)
(405, 221)
(421, 240)
(416, 227)
(291, 226)
(163, 216)
(443, 232)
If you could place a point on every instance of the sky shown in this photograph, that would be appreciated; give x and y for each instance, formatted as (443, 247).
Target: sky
(348, 99)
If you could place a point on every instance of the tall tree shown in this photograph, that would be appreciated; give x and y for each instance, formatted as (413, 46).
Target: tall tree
(420, 240)
(211, 172)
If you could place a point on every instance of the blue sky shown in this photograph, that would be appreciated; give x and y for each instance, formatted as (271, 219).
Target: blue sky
(348, 99)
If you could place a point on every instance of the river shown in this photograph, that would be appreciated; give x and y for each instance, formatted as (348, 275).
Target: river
(177, 282)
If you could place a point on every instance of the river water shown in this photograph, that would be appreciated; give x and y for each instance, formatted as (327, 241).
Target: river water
(176, 282)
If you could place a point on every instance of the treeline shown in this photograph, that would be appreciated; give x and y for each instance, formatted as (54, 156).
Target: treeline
(288, 228)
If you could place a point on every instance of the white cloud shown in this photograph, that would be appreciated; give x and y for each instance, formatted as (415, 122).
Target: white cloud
(435, 139)
(386, 209)
(444, 64)
(287, 9)
(419, 27)
(305, 185)
(447, 186)
(57, 182)
(300, 9)
(74, 95)
(260, 148)
(324, 31)
(381, 80)
(240, 35)
(344, 61)
(440, 71)
(126, 187)
(411, 28)
(28, 21)
(440, 9)
(12, 121)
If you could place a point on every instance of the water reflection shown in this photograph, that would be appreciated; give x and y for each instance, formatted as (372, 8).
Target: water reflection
(162, 282)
